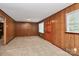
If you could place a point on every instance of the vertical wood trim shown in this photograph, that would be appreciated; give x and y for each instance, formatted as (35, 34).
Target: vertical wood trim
(5, 26)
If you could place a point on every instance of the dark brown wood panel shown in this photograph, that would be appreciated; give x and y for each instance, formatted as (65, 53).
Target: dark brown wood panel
(26, 29)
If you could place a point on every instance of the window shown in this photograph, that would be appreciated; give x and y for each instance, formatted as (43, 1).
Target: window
(72, 21)
(41, 27)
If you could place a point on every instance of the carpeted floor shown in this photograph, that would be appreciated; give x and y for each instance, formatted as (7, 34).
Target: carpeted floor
(31, 46)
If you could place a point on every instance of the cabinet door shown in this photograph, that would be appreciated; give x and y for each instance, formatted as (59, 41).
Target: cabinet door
(48, 31)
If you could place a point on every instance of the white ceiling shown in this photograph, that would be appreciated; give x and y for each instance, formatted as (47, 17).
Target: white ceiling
(33, 11)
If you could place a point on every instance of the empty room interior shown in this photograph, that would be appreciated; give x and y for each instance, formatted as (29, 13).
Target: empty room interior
(39, 29)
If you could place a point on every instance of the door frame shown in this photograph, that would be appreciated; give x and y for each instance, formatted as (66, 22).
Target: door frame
(4, 30)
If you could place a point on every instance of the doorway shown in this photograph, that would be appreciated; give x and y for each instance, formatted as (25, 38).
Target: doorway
(2, 30)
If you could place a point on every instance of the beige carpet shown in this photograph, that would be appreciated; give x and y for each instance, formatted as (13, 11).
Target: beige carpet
(31, 46)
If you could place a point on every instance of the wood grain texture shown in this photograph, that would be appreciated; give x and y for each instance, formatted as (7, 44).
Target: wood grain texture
(9, 24)
(55, 31)
(13, 28)
(26, 29)
(10, 29)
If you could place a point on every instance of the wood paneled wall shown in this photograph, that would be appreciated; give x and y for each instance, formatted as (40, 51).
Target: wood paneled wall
(26, 29)
(14, 28)
(55, 31)
(10, 26)
(10, 29)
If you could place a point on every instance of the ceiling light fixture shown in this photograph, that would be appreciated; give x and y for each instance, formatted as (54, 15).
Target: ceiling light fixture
(28, 19)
